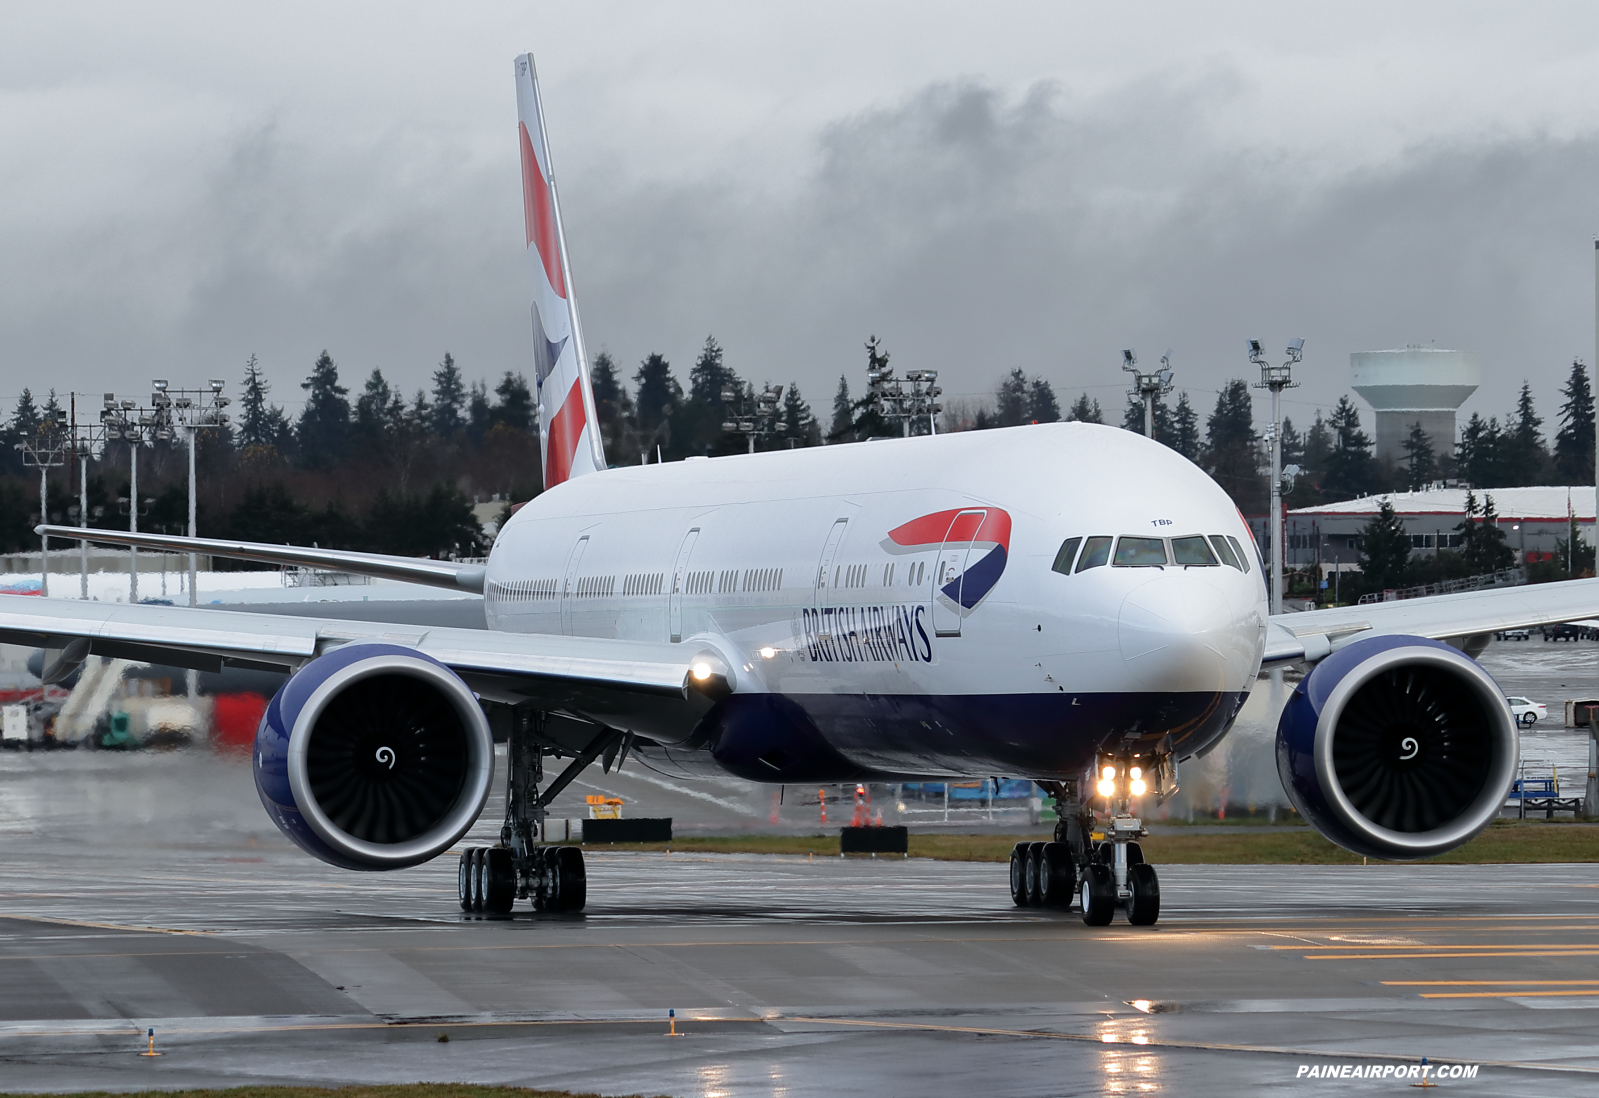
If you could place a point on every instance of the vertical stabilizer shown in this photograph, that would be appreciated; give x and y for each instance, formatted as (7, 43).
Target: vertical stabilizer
(569, 437)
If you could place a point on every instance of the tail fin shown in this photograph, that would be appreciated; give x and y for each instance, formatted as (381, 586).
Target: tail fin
(569, 435)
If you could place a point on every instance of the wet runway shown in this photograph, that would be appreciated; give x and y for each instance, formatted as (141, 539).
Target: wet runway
(158, 896)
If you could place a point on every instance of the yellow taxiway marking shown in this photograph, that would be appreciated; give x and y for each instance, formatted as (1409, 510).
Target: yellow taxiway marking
(1590, 993)
(106, 926)
(1485, 983)
(1419, 956)
(1435, 945)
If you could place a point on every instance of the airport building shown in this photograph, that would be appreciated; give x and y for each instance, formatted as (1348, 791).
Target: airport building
(1531, 518)
(1411, 385)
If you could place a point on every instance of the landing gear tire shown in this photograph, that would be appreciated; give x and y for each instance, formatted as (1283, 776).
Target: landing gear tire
(1143, 906)
(563, 884)
(1035, 855)
(463, 879)
(499, 880)
(475, 877)
(1098, 894)
(1057, 876)
(1018, 874)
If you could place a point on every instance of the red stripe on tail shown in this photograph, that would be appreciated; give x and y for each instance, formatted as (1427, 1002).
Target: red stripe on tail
(565, 429)
(539, 211)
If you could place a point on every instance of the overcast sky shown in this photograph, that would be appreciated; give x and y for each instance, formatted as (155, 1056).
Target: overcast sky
(983, 186)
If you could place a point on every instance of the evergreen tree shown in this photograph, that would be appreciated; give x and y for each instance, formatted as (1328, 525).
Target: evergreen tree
(1231, 453)
(25, 417)
(1421, 464)
(515, 406)
(618, 428)
(1133, 418)
(1384, 549)
(1184, 436)
(658, 395)
(1293, 445)
(1524, 455)
(1318, 446)
(1010, 400)
(449, 399)
(52, 415)
(379, 415)
(1574, 441)
(798, 425)
(1479, 453)
(698, 425)
(324, 425)
(1085, 411)
(1350, 469)
(1482, 542)
(253, 428)
(842, 428)
(479, 413)
(1042, 407)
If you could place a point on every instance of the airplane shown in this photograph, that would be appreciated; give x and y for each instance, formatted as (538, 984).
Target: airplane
(1070, 603)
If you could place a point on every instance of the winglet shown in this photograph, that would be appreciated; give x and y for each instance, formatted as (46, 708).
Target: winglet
(569, 436)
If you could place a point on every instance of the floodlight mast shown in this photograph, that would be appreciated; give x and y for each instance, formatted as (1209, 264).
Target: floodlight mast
(1276, 378)
(906, 398)
(1148, 386)
(46, 450)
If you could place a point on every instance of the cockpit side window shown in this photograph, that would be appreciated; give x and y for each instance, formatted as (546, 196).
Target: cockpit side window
(1096, 552)
(1067, 554)
(1243, 557)
(1193, 552)
(1140, 553)
(1225, 551)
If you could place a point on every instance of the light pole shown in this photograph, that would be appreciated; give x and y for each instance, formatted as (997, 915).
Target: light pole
(1276, 378)
(193, 411)
(759, 424)
(124, 420)
(46, 450)
(1148, 386)
(890, 397)
(88, 441)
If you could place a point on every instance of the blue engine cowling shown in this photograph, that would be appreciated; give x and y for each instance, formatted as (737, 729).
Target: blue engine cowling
(1397, 747)
(374, 756)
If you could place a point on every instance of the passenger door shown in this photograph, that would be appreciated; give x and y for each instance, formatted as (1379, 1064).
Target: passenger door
(824, 568)
(567, 593)
(948, 570)
(679, 577)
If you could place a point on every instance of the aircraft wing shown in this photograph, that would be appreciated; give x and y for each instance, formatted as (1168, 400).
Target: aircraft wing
(648, 688)
(435, 573)
(1307, 637)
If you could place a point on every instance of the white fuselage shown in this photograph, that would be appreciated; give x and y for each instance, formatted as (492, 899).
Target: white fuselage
(787, 563)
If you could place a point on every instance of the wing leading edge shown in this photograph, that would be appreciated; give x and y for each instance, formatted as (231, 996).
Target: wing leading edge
(1307, 637)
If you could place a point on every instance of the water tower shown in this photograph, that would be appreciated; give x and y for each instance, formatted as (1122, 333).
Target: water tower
(1413, 385)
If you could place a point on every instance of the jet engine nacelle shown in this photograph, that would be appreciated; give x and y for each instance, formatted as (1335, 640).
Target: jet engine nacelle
(374, 756)
(1397, 747)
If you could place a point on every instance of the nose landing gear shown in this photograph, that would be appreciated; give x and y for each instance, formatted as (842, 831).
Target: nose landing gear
(1105, 870)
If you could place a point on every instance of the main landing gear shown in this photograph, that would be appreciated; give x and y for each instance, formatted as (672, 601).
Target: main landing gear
(1102, 870)
(491, 879)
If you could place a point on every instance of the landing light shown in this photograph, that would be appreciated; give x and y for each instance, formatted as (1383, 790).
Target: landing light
(1135, 772)
(702, 671)
(1108, 773)
(1137, 787)
(768, 652)
(1107, 788)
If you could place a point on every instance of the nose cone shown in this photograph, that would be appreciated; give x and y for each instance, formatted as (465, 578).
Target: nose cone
(1179, 632)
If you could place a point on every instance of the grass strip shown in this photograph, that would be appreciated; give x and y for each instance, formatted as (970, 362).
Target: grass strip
(1505, 841)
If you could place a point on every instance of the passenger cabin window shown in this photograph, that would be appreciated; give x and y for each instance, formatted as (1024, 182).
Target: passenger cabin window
(1192, 552)
(1096, 551)
(1225, 552)
(1067, 554)
(1140, 553)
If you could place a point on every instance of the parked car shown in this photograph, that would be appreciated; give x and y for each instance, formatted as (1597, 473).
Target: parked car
(1527, 712)
(1513, 635)
(1565, 632)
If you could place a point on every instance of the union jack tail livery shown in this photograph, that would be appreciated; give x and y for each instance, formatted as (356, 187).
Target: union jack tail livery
(569, 437)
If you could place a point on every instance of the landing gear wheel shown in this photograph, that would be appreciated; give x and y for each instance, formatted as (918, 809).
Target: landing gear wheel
(1098, 894)
(1057, 876)
(563, 886)
(474, 877)
(1035, 853)
(499, 880)
(1143, 906)
(1018, 874)
(463, 879)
